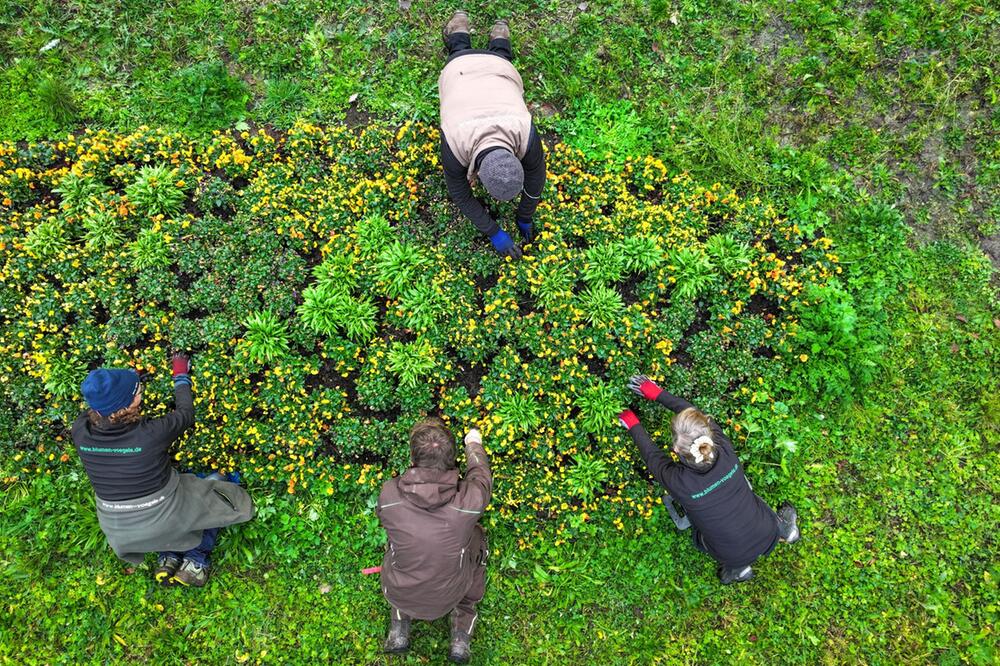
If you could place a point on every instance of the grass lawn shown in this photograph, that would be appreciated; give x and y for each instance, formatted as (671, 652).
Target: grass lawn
(873, 125)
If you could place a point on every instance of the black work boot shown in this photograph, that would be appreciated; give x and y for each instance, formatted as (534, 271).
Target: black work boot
(788, 523)
(461, 644)
(729, 575)
(398, 640)
(459, 22)
(500, 30)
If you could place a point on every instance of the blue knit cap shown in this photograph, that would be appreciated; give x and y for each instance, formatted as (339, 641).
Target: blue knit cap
(107, 391)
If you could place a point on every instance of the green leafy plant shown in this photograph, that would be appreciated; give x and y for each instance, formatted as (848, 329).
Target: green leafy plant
(600, 304)
(641, 253)
(266, 338)
(56, 99)
(603, 263)
(337, 272)
(102, 232)
(422, 304)
(63, 376)
(599, 405)
(727, 253)
(77, 192)
(357, 316)
(48, 238)
(587, 476)
(204, 96)
(322, 308)
(412, 360)
(374, 232)
(398, 265)
(692, 270)
(554, 285)
(520, 412)
(150, 250)
(155, 190)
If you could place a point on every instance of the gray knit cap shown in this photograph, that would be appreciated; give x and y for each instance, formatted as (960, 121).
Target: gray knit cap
(501, 174)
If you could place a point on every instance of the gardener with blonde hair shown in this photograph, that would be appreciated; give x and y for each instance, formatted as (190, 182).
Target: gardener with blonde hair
(487, 133)
(731, 523)
(435, 558)
(143, 504)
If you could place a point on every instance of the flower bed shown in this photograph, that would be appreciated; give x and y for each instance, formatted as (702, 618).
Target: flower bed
(331, 295)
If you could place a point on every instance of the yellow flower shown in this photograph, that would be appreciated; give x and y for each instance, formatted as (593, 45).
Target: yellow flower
(803, 357)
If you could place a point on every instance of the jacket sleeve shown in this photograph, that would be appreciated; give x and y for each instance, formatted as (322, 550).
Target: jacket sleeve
(457, 182)
(672, 402)
(173, 425)
(659, 464)
(477, 486)
(534, 176)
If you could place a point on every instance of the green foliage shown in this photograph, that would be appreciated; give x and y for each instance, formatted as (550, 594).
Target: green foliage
(604, 263)
(374, 233)
(412, 360)
(56, 100)
(321, 308)
(150, 250)
(599, 406)
(727, 253)
(603, 129)
(78, 192)
(587, 476)
(204, 96)
(641, 253)
(155, 191)
(600, 304)
(397, 266)
(519, 412)
(64, 375)
(555, 285)
(422, 304)
(266, 337)
(283, 100)
(102, 231)
(47, 239)
(692, 270)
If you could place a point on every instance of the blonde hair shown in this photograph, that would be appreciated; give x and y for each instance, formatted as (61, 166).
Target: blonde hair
(692, 431)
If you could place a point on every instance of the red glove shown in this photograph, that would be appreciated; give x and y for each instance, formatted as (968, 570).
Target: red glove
(642, 385)
(181, 364)
(628, 419)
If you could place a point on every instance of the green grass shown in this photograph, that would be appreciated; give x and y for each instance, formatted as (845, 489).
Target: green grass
(816, 106)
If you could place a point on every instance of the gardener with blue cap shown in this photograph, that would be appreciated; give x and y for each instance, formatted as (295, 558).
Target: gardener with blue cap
(487, 133)
(143, 504)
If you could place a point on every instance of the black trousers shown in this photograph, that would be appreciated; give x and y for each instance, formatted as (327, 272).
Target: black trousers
(462, 41)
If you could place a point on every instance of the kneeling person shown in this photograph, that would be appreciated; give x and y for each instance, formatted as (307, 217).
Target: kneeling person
(143, 504)
(435, 559)
(731, 523)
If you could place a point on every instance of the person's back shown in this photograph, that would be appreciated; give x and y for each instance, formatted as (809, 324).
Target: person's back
(435, 557)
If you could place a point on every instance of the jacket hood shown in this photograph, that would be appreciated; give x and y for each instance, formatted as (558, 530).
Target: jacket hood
(429, 488)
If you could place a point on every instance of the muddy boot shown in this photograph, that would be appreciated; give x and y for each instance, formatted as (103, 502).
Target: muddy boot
(729, 575)
(461, 645)
(788, 523)
(500, 30)
(398, 640)
(166, 567)
(459, 22)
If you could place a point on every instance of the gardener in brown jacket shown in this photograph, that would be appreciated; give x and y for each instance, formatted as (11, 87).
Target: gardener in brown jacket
(487, 133)
(435, 559)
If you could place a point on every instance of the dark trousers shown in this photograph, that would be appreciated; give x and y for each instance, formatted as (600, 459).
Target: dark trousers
(462, 41)
(200, 553)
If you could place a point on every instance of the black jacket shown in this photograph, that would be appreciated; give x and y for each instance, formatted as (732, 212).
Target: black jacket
(456, 179)
(130, 461)
(736, 525)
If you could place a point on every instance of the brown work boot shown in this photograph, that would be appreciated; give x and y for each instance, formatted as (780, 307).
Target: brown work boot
(500, 30)
(398, 640)
(461, 644)
(459, 22)
(166, 567)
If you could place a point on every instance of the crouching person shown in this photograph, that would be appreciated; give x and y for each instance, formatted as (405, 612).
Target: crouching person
(730, 522)
(143, 504)
(435, 559)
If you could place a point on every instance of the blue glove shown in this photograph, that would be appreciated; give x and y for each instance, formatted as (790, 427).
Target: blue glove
(505, 245)
(527, 228)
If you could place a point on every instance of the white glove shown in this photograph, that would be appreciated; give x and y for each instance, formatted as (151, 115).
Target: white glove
(473, 436)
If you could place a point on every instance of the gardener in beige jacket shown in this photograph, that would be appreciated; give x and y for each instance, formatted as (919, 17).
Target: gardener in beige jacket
(435, 558)
(487, 132)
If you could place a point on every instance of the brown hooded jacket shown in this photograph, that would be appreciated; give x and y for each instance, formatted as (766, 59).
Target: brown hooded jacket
(431, 517)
